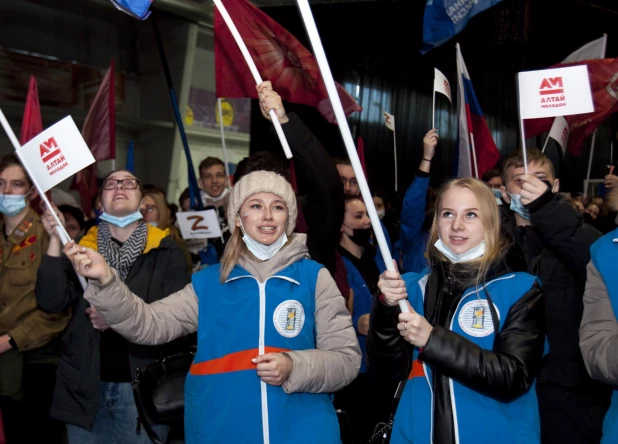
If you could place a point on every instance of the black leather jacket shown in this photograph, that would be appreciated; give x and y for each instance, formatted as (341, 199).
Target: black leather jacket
(503, 373)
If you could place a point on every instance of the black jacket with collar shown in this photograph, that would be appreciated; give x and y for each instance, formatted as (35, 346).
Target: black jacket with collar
(556, 248)
(154, 275)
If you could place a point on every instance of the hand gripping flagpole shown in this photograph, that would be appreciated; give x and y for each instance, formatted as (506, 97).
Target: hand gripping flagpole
(256, 75)
(320, 56)
(62, 234)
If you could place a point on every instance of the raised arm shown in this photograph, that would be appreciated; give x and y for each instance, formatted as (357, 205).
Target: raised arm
(128, 314)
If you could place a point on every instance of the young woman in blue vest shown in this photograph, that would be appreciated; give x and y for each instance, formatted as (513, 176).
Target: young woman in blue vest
(472, 342)
(274, 335)
(598, 334)
(367, 400)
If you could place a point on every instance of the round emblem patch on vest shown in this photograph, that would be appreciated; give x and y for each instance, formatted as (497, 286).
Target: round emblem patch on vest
(289, 318)
(475, 318)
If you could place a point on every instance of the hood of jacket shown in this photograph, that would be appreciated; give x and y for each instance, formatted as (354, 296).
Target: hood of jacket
(154, 237)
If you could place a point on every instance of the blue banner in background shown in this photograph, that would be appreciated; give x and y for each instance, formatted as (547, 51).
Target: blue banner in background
(135, 8)
(445, 18)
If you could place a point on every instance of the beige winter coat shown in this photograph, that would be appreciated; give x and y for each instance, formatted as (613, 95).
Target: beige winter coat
(598, 333)
(330, 367)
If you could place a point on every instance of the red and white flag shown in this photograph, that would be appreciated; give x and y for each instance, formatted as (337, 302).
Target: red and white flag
(279, 57)
(560, 132)
(441, 84)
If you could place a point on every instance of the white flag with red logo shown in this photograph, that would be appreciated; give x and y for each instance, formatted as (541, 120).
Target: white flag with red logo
(555, 92)
(56, 154)
(560, 132)
(199, 224)
(441, 84)
(389, 121)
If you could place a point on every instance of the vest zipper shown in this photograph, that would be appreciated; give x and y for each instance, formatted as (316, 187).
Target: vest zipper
(264, 395)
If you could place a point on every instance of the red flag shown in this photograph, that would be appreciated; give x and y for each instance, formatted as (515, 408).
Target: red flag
(99, 132)
(279, 57)
(360, 149)
(31, 124)
(604, 84)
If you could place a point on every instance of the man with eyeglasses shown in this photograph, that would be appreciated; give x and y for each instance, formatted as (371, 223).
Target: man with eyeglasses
(348, 177)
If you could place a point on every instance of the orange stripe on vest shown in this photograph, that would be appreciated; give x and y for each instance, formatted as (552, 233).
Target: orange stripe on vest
(417, 370)
(233, 362)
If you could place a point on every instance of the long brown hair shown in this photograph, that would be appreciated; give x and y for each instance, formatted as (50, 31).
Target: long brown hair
(164, 211)
(495, 245)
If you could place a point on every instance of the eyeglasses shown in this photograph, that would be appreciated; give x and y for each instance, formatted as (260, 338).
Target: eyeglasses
(127, 184)
(148, 209)
(350, 182)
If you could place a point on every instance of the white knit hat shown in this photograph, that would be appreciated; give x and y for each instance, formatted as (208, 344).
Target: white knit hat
(262, 182)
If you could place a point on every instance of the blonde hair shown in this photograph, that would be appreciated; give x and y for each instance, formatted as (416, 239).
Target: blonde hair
(164, 211)
(233, 250)
(495, 245)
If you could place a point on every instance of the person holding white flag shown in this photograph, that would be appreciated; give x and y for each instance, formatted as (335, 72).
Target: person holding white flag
(554, 244)
(473, 338)
(29, 337)
(275, 337)
(93, 394)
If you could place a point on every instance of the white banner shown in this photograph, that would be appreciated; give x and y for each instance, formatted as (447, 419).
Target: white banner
(199, 224)
(389, 121)
(560, 132)
(555, 92)
(591, 50)
(441, 84)
(56, 154)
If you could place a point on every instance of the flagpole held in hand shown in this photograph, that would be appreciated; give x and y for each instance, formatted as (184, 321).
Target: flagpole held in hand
(254, 71)
(521, 127)
(62, 234)
(320, 56)
(594, 138)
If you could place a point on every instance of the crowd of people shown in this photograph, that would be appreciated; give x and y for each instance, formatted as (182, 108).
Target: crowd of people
(293, 319)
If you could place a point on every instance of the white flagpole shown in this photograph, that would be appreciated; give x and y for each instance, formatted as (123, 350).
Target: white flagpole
(545, 144)
(594, 138)
(318, 50)
(227, 169)
(395, 154)
(433, 109)
(256, 75)
(476, 167)
(62, 234)
(521, 127)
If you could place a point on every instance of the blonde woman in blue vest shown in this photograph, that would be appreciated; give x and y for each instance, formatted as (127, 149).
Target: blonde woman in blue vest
(472, 343)
(274, 335)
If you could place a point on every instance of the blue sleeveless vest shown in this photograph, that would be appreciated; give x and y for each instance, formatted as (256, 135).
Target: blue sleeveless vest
(226, 402)
(603, 254)
(477, 418)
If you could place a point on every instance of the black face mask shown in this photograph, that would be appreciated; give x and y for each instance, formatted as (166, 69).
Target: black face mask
(588, 219)
(361, 236)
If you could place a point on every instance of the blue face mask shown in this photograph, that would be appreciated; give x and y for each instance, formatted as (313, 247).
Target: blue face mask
(12, 204)
(518, 207)
(121, 221)
(497, 193)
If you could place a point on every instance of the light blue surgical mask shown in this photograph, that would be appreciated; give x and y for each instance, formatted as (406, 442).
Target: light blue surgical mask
(497, 193)
(454, 258)
(12, 204)
(518, 207)
(261, 251)
(121, 221)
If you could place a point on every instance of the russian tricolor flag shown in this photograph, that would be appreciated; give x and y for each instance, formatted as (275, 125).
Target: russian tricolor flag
(477, 150)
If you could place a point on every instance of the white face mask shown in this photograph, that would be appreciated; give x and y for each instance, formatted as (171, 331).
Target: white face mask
(454, 258)
(261, 251)
(381, 213)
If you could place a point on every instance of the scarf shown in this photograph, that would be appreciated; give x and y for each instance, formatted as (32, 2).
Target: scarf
(122, 257)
